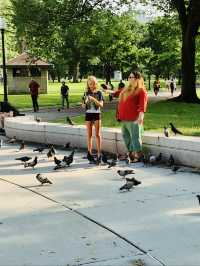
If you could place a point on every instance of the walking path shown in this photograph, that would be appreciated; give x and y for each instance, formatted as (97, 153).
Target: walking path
(83, 218)
(49, 114)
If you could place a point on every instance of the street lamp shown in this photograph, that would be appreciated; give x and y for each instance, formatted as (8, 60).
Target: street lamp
(3, 28)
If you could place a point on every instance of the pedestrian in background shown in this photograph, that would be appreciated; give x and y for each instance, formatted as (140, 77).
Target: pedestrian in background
(34, 91)
(64, 91)
(131, 108)
(93, 102)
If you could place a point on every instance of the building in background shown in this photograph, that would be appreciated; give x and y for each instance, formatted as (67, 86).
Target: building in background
(22, 69)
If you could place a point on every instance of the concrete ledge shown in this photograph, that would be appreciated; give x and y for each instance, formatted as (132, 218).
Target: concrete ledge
(186, 150)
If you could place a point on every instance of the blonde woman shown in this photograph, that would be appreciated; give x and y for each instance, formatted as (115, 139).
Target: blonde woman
(93, 102)
(131, 109)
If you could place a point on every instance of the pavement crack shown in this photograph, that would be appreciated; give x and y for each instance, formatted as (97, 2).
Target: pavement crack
(131, 243)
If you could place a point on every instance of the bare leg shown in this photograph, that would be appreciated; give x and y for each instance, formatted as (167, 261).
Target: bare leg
(97, 125)
(89, 135)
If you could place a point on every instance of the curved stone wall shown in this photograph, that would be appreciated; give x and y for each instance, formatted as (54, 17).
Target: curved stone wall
(186, 150)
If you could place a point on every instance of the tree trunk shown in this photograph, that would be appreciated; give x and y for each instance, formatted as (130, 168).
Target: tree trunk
(188, 88)
(76, 71)
(149, 79)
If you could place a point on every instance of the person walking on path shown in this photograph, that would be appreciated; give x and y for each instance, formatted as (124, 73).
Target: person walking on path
(34, 91)
(131, 108)
(156, 86)
(64, 90)
(93, 102)
(172, 87)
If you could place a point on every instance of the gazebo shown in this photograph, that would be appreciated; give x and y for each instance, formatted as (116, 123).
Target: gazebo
(22, 69)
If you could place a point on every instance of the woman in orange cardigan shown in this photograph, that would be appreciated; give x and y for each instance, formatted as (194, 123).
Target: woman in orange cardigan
(131, 108)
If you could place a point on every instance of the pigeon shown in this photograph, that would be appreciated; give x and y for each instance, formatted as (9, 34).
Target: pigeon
(38, 119)
(40, 149)
(23, 159)
(67, 145)
(22, 146)
(57, 162)
(31, 164)
(13, 140)
(69, 121)
(134, 181)
(69, 159)
(51, 152)
(112, 163)
(152, 159)
(198, 197)
(144, 159)
(171, 161)
(124, 173)
(159, 157)
(62, 165)
(127, 186)
(175, 168)
(175, 130)
(43, 180)
(104, 158)
(1, 143)
(90, 158)
(166, 132)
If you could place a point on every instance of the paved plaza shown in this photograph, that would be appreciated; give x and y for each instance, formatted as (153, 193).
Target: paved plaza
(83, 218)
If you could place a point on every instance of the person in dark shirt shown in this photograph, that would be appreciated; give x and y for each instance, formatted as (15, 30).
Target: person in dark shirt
(34, 91)
(64, 90)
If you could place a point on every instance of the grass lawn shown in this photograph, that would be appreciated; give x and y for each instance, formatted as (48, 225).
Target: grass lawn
(184, 116)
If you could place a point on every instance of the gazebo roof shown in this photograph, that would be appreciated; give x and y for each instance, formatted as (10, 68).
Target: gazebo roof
(25, 59)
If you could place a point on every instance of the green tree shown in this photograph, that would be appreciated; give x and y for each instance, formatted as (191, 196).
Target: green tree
(189, 19)
(164, 38)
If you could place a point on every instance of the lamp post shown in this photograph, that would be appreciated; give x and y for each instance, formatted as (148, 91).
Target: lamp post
(2, 29)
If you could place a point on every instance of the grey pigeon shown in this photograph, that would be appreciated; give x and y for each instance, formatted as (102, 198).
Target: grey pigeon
(159, 157)
(69, 159)
(62, 165)
(175, 130)
(127, 186)
(124, 173)
(31, 164)
(22, 146)
(12, 140)
(56, 161)
(38, 119)
(198, 197)
(23, 159)
(134, 181)
(69, 121)
(166, 132)
(43, 180)
(104, 158)
(112, 163)
(171, 161)
(175, 168)
(40, 149)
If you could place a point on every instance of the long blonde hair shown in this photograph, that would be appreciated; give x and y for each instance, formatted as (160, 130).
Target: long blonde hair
(94, 79)
(132, 88)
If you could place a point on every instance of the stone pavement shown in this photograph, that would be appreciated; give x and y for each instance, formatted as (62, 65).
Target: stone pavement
(82, 218)
(49, 114)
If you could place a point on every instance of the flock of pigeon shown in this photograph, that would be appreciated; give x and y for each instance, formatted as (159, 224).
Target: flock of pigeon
(109, 160)
(147, 159)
